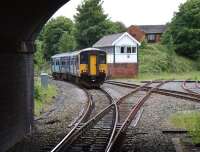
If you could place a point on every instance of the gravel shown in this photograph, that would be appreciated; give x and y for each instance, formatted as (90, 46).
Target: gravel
(148, 136)
(100, 101)
(56, 119)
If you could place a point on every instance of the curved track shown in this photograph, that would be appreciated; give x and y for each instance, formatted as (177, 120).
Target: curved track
(98, 133)
(74, 140)
(78, 122)
(103, 132)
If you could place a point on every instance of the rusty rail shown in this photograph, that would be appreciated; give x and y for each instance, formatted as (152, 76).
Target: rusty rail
(82, 119)
(189, 90)
(75, 133)
(197, 84)
(173, 93)
(115, 144)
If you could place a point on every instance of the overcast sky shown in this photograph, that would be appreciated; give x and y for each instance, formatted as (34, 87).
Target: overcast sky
(131, 12)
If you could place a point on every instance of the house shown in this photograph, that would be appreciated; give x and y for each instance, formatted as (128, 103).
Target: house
(152, 33)
(122, 54)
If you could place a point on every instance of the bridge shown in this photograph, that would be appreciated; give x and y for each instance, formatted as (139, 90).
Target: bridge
(21, 20)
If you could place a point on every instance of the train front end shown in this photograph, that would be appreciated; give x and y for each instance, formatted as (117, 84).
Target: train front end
(93, 67)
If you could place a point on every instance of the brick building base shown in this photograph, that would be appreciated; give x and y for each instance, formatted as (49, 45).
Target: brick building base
(120, 70)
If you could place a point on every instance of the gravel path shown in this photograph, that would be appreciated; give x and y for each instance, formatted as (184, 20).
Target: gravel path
(148, 136)
(56, 119)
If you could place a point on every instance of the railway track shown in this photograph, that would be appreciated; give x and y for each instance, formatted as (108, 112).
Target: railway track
(197, 84)
(191, 90)
(173, 93)
(100, 127)
(132, 116)
(103, 131)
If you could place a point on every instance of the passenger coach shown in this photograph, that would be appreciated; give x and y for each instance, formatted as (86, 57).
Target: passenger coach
(87, 66)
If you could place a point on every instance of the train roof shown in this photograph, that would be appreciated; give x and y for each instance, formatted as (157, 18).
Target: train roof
(75, 52)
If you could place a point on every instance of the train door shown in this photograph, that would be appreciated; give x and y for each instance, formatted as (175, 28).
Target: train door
(93, 64)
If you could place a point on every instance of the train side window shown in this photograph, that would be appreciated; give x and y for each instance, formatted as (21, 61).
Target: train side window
(57, 62)
(102, 59)
(63, 62)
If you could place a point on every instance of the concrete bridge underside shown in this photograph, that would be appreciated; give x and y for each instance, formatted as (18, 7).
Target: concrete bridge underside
(21, 20)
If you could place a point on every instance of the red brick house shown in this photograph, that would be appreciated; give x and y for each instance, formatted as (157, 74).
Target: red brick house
(152, 33)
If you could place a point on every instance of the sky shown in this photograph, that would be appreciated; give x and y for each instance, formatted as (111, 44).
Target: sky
(130, 12)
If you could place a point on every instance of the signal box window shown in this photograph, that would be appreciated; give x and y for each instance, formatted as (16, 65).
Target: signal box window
(133, 50)
(122, 49)
(128, 49)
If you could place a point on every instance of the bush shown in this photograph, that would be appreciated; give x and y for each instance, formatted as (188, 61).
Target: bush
(42, 95)
(184, 30)
(157, 58)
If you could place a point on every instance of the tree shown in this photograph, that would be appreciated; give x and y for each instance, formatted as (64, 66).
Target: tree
(116, 27)
(52, 33)
(67, 42)
(39, 60)
(90, 22)
(185, 30)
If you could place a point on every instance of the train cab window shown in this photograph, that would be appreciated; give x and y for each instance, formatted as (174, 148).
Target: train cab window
(84, 58)
(102, 59)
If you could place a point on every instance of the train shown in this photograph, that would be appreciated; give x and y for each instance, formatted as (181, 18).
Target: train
(87, 67)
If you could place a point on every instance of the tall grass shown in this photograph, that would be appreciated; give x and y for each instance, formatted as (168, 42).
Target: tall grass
(192, 75)
(189, 120)
(156, 58)
(42, 95)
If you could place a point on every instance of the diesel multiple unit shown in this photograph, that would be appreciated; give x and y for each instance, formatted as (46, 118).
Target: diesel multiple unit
(87, 66)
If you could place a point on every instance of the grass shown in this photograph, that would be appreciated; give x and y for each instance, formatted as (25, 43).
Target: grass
(188, 120)
(193, 75)
(42, 95)
(157, 62)
(156, 58)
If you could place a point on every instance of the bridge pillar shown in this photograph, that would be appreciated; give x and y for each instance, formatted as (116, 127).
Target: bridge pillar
(16, 89)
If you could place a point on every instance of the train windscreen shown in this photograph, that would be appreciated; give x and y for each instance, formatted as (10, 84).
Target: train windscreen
(84, 58)
(102, 58)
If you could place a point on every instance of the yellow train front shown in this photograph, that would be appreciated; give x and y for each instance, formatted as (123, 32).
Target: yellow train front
(87, 66)
(93, 67)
